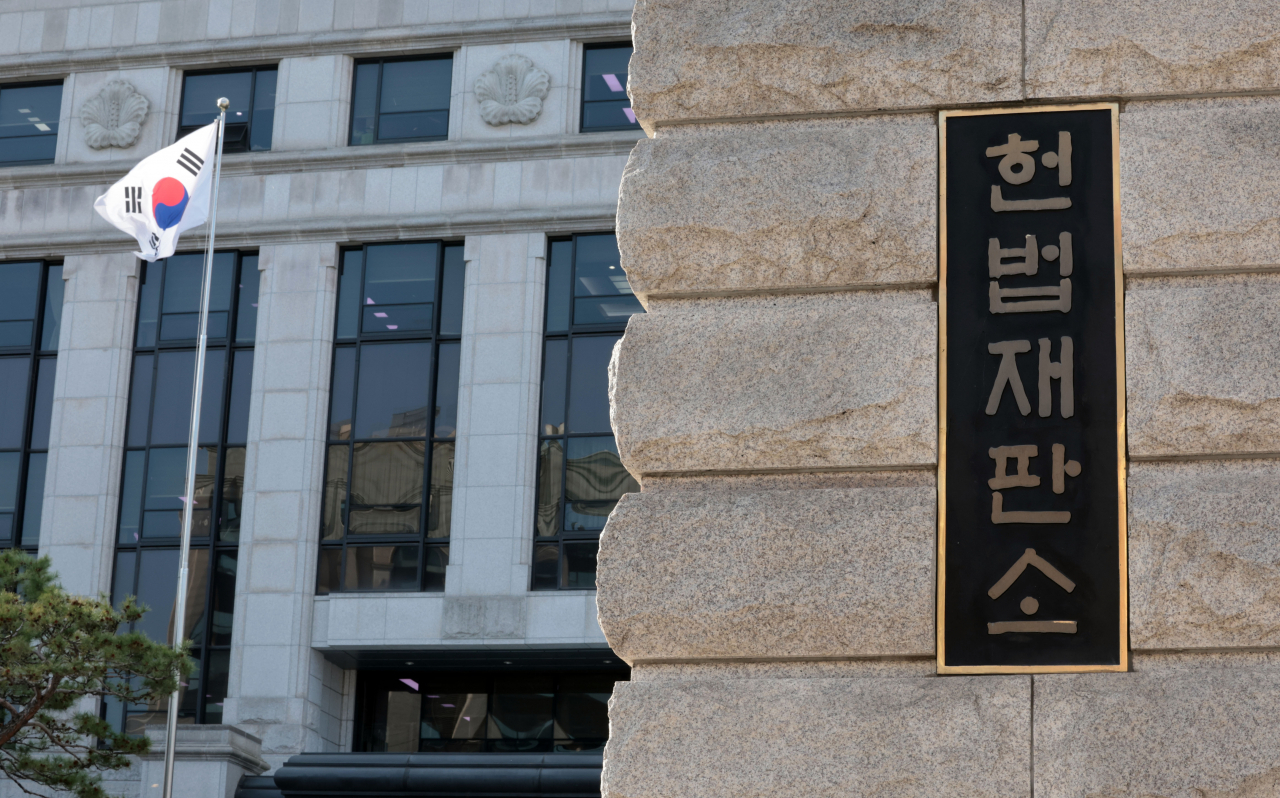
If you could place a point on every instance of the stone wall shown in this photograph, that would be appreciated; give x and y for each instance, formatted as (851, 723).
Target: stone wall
(773, 583)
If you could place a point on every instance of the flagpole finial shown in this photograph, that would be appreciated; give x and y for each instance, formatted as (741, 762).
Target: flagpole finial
(224, 103)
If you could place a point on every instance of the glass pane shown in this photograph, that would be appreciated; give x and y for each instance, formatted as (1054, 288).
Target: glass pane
(594, 481)
(42, 410)
(10, 472)
(232, 496)
(166, 478)
(200, 95)
(382, 568)
(157, 586)
(451, 291)
(546, 562)
(582, 707)
(170, 421)
(404, 713)
(264, 109)
(400, 274)
(343, 395)
(122, 582)
(550, 469)
(19, 292)
(580, 565)
(13, 400)
(131, 497)
(349, 299)
(433, 570)
(29, 111)
(386, 488)
(30, 149)
(416, 86)
(149, 303)
(405, 318)
(215, 685)
(608, 115)
(420, 125)
(224, 598)
(140, 399)
(364, 102)
(33, 504)
(589, 383)
(555, 379)
(181, 303)
(605, 72)
(392, 398)
(327, 574)
(238, 412)
(450, 713)
(521, 710)
(440, 503)
(335, 493)
(247, 304)
(558, 276)
(54, 291)
(447, 391)
(602, 293)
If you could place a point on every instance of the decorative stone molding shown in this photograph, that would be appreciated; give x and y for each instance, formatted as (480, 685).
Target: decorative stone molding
(114, 117)
(512, 91)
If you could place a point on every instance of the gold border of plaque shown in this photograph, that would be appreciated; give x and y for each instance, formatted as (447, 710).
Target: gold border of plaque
(939, 621)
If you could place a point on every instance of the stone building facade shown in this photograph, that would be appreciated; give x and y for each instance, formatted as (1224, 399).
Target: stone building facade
(507, 176)
(773, 584)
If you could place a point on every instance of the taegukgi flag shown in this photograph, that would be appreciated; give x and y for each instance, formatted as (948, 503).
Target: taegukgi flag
(165, 194)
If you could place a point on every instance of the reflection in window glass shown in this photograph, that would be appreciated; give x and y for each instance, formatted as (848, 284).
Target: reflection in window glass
(605, 105)
(155, 459)
(252, 93)
(29, 123)
(580, 476)
(411, 711)
(388, 486)
(401, 100)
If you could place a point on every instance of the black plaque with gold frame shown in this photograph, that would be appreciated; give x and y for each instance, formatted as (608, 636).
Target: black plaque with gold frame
(1032, 561)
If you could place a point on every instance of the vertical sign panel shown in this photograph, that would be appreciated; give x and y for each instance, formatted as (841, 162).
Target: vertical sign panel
(1032, 564)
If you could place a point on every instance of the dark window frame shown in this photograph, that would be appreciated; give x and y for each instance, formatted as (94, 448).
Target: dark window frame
(186, 130)
(35, 355)
(228, 347)
(436, 339)
(37, 84)
(572, 332)
(582, 94)
(451, 55)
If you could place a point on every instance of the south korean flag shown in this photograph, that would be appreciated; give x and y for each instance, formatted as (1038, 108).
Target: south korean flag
(165, 194)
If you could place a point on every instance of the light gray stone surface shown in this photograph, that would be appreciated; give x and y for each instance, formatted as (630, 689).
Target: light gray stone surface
(210, 761)
(788, 382)
(963, 737)
(707, 59)
(1203, 375)
(768, 205)
(765, 574)
(1198, 184)
(1204, 554)
(718, 671)
(1172, 733)
(1090, 48)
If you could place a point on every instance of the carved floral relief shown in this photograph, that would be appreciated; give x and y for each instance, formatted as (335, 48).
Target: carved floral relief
(114, 117)
(512, 91)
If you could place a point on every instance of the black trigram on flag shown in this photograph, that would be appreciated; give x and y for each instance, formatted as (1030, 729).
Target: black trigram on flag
(133, 199)
(190, 161)
(154, 240)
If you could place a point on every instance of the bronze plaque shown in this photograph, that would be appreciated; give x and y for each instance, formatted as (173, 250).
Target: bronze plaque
(1032, 570)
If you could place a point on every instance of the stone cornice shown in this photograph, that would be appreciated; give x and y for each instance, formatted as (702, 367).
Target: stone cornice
(342, 230)
(381, 156)
(266, 49)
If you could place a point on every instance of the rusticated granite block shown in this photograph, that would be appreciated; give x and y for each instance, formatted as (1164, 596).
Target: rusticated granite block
(753, 574)
(961, 737)
(1091, 48)
(1203, 374)
(706, 59)
(1193, 732)
(790, 205)
(1198, 184)
(786, 382)
(1204, 554)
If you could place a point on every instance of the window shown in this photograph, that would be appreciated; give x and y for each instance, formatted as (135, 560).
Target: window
(388, 495)
(29, 123)
(580, 477)
(401, 100)
(30, 320)
(410, 711)
(252, 93)
(151, 501)
(605, 105)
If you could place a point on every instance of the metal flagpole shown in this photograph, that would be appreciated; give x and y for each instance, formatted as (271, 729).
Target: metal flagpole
(180, 605)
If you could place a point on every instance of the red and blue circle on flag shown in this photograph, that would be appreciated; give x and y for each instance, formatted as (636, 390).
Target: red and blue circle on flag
(168, 202)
